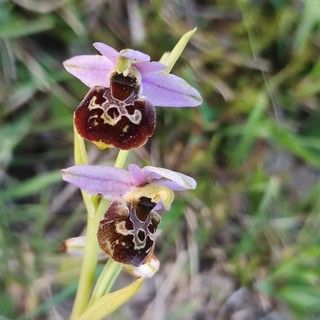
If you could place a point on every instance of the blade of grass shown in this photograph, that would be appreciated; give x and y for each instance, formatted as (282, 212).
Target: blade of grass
(31, 186)
(18, 28)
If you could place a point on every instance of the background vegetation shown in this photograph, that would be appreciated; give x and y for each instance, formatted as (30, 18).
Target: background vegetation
(246, 243)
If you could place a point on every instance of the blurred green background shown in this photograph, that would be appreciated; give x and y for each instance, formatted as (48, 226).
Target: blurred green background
(246, 243)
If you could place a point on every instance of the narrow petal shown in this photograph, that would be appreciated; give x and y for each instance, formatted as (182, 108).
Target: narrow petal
(149, 67)
(107, 51)
(138, 178)
(135, 55)
(92, 70)
(168, 90)
(171, 179)
(108, 181)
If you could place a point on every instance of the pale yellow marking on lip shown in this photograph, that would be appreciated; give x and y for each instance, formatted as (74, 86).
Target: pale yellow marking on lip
(121, 228)
(153, 191)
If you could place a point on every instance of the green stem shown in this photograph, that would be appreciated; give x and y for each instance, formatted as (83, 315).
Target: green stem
(86, 276)
(81, 157)
(94, 215)
(112, 268)
(121, 158)
(89, 263)
(91, 249)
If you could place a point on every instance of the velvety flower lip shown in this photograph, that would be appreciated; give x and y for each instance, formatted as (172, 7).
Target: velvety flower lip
(115, 118)
(112, 182)
(161, 89)
(127, 232)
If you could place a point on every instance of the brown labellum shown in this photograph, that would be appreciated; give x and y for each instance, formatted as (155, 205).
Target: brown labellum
(107, 121)
(127, 232)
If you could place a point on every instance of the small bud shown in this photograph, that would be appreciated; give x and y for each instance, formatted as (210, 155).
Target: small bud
(73, 246)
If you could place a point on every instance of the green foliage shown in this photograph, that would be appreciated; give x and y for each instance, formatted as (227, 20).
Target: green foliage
(253, 148)
(296, 281)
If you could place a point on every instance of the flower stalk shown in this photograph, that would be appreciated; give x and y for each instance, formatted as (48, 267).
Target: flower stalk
(89, 263)
(95, 211)
(135, 193)
(111, 269)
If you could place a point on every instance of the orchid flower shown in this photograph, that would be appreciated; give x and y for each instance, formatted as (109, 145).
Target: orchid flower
(124, 88)
(161, 89)
(127, 232)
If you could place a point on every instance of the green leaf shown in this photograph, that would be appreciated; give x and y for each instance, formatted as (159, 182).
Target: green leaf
(12, 134)
(310, 19)
(292, 142)
(106, 280)
(301, 296)
(19, 28)
(249, 132)
(170, 59)
(32, 185)
(50, 303)
(110, 302)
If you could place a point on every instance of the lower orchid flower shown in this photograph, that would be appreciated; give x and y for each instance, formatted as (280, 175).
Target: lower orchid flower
(128, 230)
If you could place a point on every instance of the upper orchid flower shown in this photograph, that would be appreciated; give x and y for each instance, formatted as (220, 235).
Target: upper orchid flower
(118, 110)
(162, 90)
(127, 232)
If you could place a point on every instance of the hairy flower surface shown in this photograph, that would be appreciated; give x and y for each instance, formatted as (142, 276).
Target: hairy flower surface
(110, 122)
(127, 232)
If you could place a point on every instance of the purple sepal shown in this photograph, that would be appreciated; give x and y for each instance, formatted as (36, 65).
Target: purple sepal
(108, 181)
(168, 90)
(92, 70)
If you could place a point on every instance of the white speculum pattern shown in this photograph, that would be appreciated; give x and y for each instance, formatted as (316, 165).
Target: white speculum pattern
(112, 117)
(139, 226)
